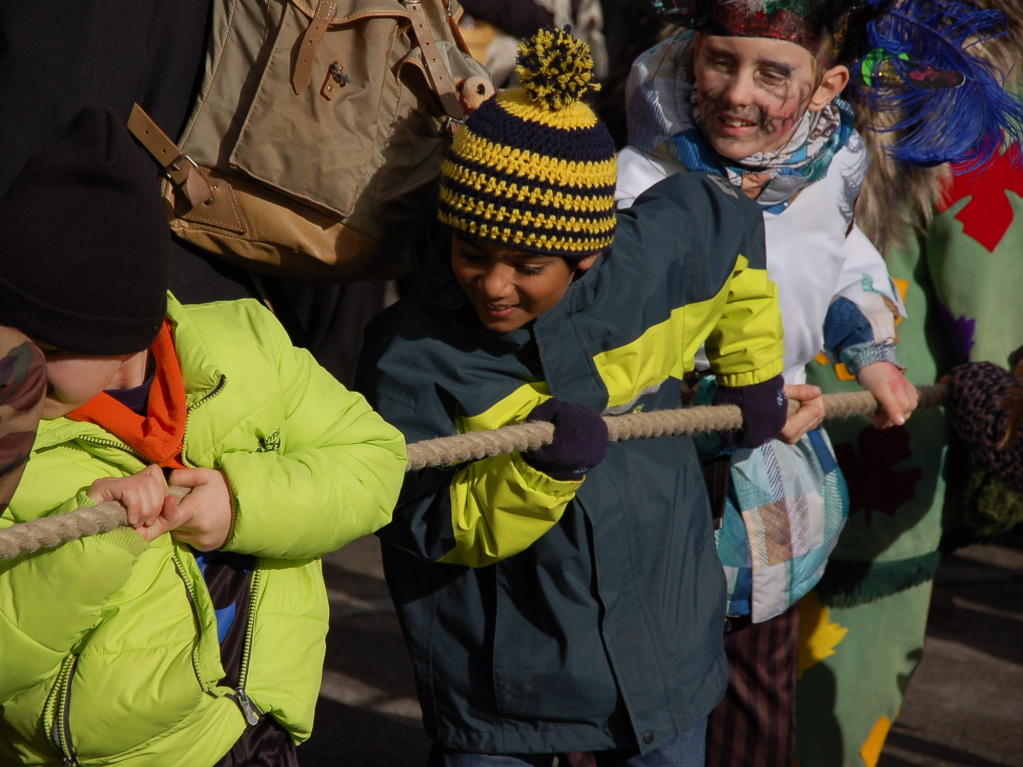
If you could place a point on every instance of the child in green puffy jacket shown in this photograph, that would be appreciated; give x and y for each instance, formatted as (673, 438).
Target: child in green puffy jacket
(194, 635)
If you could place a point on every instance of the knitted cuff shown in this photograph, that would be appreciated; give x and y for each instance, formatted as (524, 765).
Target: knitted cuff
(858, 356)
(764, 411)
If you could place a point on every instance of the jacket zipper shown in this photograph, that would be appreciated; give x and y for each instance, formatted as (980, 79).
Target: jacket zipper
(114, 443)
(60, 734)
(212, 392)
(179, 568)
(219, 387)
(122, 446)
(249, 709)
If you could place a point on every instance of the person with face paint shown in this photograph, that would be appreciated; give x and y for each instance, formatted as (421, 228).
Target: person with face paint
(751, 91)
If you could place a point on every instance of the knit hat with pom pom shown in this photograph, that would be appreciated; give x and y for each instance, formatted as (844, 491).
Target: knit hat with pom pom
(533, 168)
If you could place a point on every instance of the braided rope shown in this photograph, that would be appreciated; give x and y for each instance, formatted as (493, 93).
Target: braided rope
(445, 451)
(50, 532)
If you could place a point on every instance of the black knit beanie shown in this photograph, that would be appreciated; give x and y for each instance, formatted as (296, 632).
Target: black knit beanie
(84, 242)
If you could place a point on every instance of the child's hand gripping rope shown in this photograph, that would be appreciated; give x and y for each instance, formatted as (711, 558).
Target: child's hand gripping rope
(202, 518)
(579, 444)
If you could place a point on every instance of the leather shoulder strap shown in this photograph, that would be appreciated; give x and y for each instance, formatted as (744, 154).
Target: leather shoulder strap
(439, 77)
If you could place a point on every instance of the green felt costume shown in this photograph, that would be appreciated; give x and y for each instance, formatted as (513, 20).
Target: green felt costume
(906, 485)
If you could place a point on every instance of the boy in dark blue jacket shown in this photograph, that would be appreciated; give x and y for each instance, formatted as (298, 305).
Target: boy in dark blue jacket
(567, 598)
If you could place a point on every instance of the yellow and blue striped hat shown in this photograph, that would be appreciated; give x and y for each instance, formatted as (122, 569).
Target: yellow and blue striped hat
(533, 167)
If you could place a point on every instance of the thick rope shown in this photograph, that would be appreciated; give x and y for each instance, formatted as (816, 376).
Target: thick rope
(446, 451)
(50, 532)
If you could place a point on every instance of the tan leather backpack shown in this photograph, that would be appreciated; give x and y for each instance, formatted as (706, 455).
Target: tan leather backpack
(317, 134)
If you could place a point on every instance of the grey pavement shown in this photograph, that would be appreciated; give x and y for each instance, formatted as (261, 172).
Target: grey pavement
(964, 707)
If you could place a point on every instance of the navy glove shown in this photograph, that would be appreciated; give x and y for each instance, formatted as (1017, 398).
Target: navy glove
(580, 440)
(764, 411)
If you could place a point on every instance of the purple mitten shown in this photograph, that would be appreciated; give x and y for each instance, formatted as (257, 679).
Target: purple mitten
(764, 411)
(580, 440)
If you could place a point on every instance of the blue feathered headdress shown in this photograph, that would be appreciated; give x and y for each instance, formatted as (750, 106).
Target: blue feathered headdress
(919, 61)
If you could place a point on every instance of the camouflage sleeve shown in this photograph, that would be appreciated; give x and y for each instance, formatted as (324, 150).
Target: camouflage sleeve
(22, 390)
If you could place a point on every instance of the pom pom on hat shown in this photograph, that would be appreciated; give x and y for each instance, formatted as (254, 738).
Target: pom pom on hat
(533, 168)
(85, 242)
(555, 69)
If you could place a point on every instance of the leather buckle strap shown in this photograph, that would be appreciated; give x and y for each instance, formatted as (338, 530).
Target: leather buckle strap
(303, 72)
(209, 201)
(437, 71)
(177, 166)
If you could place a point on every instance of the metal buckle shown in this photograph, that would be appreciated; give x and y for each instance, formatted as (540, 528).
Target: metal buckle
(179, 174)
(451, 126)
(175, 166)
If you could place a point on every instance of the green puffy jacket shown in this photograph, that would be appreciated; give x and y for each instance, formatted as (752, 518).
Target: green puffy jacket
(110, 650)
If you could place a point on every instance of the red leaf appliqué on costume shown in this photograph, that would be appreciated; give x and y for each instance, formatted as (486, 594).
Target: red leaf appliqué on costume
(874, 486)
(988, 214)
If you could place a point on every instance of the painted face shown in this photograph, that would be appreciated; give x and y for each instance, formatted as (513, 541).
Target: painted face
(509, 287)
(752, 91)
(74, 379)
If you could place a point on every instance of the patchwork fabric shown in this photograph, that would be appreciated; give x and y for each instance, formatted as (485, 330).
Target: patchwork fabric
(786, 507)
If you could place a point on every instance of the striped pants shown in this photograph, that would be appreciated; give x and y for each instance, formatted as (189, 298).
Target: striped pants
(755, 724)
